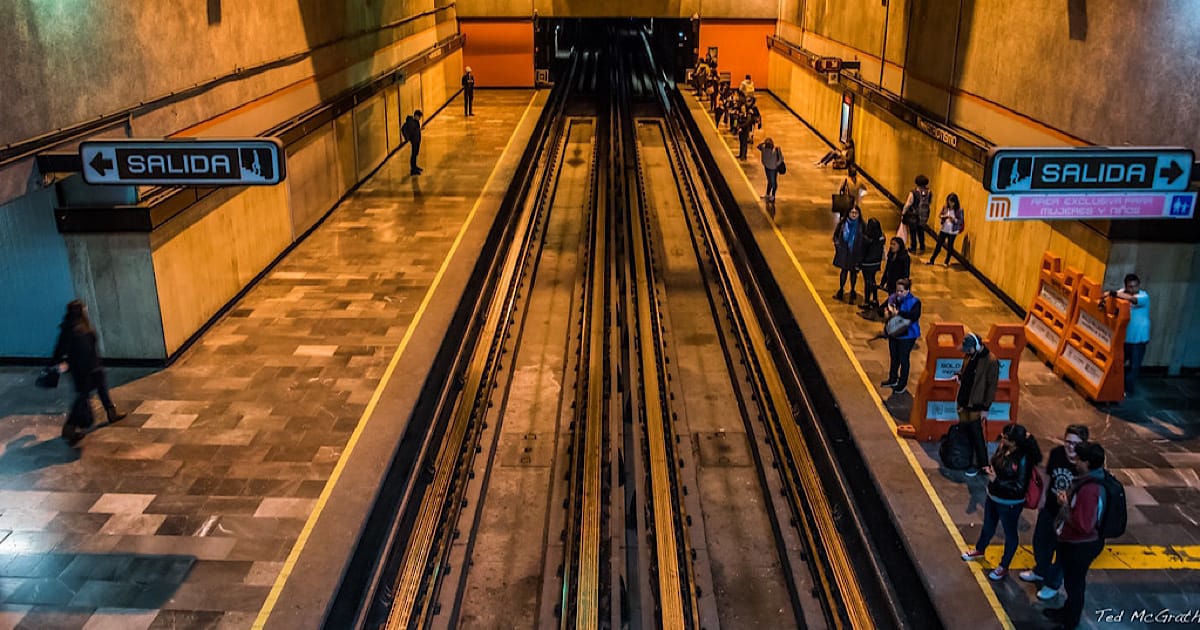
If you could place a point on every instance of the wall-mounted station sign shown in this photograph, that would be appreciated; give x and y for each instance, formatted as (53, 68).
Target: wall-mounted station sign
(1087, 169)
(183, 162)
(1089, 183)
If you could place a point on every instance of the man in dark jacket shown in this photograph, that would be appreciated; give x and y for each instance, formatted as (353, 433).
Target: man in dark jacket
(977, 381)
(412, 133)
(468, 88)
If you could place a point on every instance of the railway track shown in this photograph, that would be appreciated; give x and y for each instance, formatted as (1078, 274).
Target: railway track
(618, 445)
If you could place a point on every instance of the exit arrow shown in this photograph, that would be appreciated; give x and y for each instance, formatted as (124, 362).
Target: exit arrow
(1171, 172)
(101, 165)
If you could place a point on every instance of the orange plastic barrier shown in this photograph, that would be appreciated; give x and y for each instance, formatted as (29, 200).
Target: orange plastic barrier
(935, 405)
(1093, 357)
(1046, 319)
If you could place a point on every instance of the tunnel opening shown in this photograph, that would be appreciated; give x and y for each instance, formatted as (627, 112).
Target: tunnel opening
(674, 41)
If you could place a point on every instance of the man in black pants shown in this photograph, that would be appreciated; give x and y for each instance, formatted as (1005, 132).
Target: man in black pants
(1079, 536)
(468, 88)
(977, 381)
(412, 133)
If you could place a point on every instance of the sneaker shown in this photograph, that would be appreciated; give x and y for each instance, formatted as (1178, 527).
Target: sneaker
(973, 554)
(997, 574)
(971, 472)
(1030, 576)
(899, 390)
(1046, 593)
(888, 384)
(945, 264)
(929, 262)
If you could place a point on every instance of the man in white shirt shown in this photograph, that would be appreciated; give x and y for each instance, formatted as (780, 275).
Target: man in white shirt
(1137, 335)
(747, 86)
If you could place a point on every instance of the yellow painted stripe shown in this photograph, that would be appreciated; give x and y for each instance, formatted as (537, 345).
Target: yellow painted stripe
(290, 563)
(984, 587)
(1114, 557)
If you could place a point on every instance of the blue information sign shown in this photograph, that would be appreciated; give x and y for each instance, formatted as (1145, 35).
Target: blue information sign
(1024, 170)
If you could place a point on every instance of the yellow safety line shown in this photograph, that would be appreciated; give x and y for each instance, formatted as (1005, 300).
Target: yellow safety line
(1114, 557)
(298, 547)
(988, 593)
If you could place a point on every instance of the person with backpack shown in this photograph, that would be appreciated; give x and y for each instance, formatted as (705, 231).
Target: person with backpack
(915, 214)
(1092, 510)
(951, 220)
(411, 130)
(1012, 467)
(1060, 470)
(977, 382)
(772, 159)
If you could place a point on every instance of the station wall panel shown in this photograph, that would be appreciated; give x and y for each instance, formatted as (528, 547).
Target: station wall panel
(370, 122)
(741, 47)
(313, 186)
(120, 290)
(499, 52)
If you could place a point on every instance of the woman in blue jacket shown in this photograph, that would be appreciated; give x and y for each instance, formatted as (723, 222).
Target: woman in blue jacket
(900, 345)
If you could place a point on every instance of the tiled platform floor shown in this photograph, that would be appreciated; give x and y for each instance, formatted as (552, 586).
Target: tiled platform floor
(1153, 441)
(181, 515)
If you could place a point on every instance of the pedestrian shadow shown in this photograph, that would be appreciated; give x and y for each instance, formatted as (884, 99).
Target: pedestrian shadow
(1175, 425)
(126, 583)
(25, 454)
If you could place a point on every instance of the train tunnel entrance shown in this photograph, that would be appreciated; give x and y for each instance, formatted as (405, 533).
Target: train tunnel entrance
(673, 41)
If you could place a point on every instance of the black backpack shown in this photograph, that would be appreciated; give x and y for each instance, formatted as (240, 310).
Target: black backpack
(1114, 515)
(955, 449)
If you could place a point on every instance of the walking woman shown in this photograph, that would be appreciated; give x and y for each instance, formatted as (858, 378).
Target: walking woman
(771, 158)
(77, 351)
(951, 221)
(1012, 467)
(848, 240)
(872, 260)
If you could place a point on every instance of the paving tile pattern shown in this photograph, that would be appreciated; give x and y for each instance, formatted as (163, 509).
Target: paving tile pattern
(1153, 441)
(181, 515)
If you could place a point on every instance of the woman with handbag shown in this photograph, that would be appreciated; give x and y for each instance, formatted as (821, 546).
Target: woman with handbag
(903, 312)
(848, 240)
(1011, 469)
(77, 351)
(772, 163)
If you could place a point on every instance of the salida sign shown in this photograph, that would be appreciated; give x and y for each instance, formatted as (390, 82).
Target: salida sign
(1087, 169)
(200, 162)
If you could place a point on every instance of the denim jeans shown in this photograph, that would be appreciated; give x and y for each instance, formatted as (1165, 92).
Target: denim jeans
(1045, 541)
(1134, 353)
(1007, 515)
(943, 239)
(772, 181)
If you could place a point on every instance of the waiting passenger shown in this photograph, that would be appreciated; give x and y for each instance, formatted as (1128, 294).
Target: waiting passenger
(1078, 525)
(898, 265)
(747, 87)
(902, 304)
(848, 243)
(841, 158)
(872, 260)
(915, 214)
(977, 382)
(1060, 470)
(411, 130)
(468, 88)
(1012, 467)
(1137, 335)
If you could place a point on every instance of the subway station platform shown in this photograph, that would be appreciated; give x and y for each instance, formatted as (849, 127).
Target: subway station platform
(1152, 441)
(186, 514)
(211, 505)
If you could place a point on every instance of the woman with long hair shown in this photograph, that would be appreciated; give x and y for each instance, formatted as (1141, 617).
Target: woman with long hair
(872, 260)
(848, 240)
(1011, 469)
(951, 225)
(77, 351)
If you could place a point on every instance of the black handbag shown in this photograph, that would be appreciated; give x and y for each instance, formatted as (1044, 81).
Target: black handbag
(48, 377)
(842, 203)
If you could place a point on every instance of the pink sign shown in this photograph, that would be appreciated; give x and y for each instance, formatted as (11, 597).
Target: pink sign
(1092, 206)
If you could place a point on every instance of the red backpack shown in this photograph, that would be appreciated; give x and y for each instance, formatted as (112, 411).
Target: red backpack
(1035, 494)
